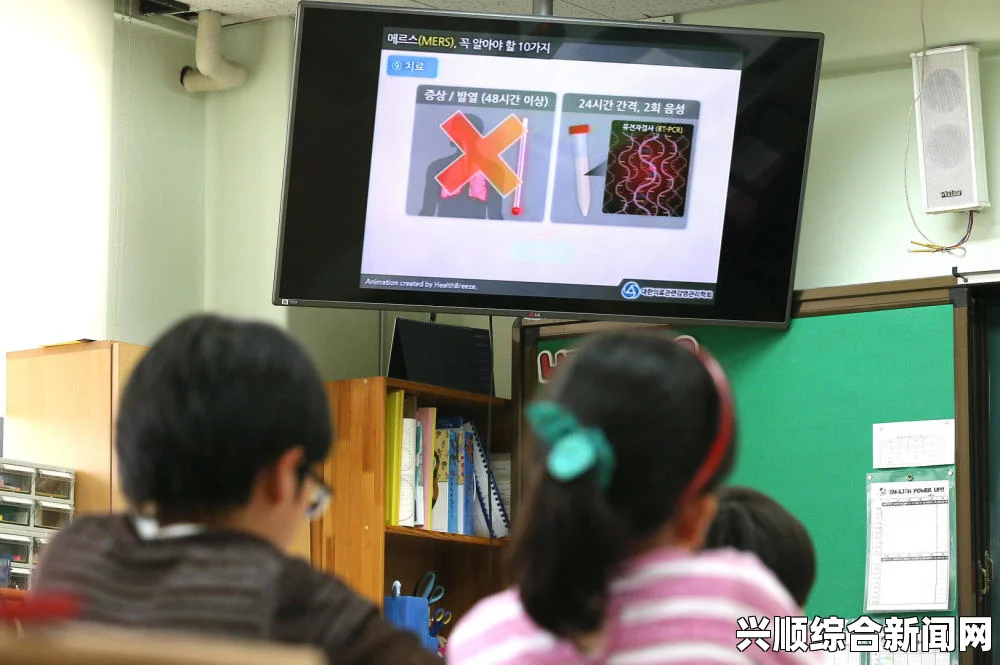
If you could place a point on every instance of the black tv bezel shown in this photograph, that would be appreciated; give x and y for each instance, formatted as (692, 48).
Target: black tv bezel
(731, 307)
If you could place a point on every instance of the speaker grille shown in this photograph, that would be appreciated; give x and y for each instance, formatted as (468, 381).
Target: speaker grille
(943, 91)
(945, 131)
(946, 146)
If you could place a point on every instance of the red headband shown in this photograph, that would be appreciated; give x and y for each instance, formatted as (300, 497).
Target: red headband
(723, 437)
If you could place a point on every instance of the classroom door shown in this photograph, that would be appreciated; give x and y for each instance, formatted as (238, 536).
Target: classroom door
(993, 354)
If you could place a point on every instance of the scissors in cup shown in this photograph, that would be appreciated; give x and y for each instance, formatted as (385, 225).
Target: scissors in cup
(427, 588)
(441, 619)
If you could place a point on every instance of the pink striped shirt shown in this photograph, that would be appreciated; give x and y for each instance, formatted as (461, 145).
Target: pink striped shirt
(668, 606)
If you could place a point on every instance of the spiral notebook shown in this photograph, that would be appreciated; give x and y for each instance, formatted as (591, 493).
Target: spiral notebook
(491, 519)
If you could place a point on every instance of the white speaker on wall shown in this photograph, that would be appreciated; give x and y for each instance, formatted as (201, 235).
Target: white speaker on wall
(950, 129)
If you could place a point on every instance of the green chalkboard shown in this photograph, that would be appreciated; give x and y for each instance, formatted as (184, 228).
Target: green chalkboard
(807, 399)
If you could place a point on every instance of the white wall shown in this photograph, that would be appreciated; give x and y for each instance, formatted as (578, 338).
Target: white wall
(855, 225)
(157, 268)
(54, 171)
(245, 144)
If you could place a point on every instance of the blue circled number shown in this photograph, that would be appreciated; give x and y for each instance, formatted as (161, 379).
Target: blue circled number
(412, 65)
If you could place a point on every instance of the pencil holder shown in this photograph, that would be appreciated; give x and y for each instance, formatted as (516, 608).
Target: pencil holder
(412, 614)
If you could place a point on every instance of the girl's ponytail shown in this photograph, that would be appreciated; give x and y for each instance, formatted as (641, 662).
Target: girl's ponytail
(573, 543)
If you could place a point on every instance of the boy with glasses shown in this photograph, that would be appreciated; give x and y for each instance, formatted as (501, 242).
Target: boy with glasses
(222, 432)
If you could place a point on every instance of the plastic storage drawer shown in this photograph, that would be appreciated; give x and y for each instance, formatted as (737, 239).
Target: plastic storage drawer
(54, 484)
(52, 515)
(15, 510)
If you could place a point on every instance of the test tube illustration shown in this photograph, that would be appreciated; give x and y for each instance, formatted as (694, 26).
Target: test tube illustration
(581, 164)
(522, 150)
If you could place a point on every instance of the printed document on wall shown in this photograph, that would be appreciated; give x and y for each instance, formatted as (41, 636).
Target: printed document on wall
(909, 649)
(931, 658)
(840, 657)
(909, 551)
(916, 443)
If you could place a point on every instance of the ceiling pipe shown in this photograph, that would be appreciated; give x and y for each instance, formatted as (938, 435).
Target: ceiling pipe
(214, 72)
(541, 7)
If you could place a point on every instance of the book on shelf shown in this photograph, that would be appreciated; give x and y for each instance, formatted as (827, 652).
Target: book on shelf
(438, 474)
(501, 465)
(439, 491)
(491, 519)
(427, 417)
(393, 449)
(467, 484)
(418, 476)
(461, 486)
(407, 474)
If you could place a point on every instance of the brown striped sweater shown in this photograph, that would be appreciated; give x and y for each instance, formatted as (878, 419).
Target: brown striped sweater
(220, 583)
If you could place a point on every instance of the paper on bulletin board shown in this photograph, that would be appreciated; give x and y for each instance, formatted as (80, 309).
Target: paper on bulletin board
(909, 546)
(913, 444)
(840, 657)
(912, 654)
(924, 658)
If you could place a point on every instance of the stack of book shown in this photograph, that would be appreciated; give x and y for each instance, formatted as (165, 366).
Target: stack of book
(438, 474)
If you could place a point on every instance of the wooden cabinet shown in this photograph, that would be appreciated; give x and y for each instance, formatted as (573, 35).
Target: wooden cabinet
(353, 541)
(61, 405)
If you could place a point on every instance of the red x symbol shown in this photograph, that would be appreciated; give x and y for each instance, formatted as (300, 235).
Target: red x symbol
(481, 154)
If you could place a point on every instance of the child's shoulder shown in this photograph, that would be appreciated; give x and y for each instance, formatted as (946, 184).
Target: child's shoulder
(722, 573)
(745, 570)
(494, 621)
(488, 615)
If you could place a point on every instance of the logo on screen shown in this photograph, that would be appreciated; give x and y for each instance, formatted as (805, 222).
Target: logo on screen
(631, 291)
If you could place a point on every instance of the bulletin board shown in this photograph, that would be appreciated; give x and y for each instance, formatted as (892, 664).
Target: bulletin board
(807, 399)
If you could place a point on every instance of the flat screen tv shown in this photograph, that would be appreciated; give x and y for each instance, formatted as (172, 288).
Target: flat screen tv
(541, 166)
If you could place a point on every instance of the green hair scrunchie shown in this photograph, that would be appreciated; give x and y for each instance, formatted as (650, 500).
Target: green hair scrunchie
(573, 449)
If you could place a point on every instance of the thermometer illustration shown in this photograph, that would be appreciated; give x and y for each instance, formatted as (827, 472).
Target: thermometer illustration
(521, 153)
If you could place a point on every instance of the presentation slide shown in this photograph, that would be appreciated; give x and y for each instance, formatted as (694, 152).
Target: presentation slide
(520, 166)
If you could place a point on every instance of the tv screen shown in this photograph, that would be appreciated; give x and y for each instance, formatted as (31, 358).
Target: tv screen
(544, 166)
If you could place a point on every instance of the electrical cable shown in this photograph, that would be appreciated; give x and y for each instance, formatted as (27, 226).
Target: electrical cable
(931, 248)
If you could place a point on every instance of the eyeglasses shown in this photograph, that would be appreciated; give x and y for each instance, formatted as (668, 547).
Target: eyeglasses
(320, 499)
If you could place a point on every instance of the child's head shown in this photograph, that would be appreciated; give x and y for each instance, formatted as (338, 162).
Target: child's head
(224, 422)
(634, 437)
(754, 522)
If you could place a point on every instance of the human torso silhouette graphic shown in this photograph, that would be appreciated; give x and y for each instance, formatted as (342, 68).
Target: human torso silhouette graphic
(476, 199)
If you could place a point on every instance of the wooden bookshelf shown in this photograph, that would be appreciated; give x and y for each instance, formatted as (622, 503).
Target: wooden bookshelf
(411, 532)
(444, 397)
(353, 541)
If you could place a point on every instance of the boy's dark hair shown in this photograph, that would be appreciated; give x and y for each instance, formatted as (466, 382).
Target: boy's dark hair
(659, 409)
(212, 403)
(751, 521)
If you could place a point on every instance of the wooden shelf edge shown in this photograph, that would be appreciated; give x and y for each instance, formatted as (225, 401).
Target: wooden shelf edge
(449, 394)
(422, 534)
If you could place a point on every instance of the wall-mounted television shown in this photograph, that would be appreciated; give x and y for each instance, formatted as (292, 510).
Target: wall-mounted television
(542, 166)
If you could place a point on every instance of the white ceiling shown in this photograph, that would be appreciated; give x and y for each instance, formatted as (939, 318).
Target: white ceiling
(239, 11)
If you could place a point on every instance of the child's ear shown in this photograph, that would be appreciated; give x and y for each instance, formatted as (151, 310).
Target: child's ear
(284, 482)
(694, 519)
